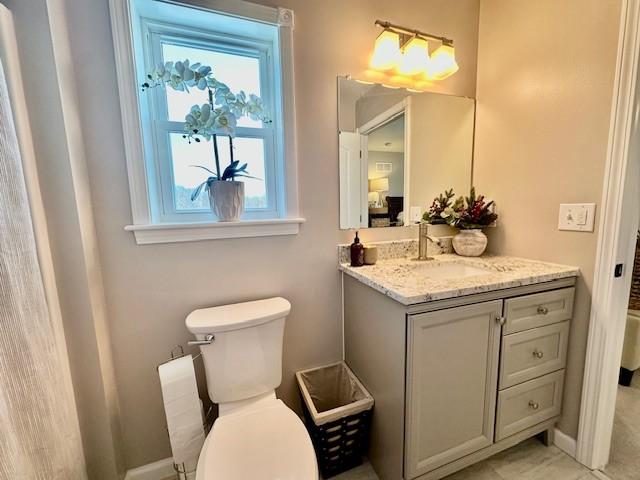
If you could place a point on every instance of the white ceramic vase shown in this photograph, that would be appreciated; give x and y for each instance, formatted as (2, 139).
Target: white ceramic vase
(470, 243)
(227, 200)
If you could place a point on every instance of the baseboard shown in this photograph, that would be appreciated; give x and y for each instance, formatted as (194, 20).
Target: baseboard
(600, 475)
(160, 470)
(565, 443)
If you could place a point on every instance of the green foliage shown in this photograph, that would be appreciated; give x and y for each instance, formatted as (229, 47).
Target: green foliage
(233, 170)
(471, 212)
(435, 215)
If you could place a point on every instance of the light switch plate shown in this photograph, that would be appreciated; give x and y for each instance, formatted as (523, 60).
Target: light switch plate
(415, 214)
(579, 217)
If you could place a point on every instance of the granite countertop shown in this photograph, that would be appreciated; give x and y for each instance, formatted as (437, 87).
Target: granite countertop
(406, 280)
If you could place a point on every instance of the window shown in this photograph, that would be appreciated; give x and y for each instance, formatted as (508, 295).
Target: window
(249, 49)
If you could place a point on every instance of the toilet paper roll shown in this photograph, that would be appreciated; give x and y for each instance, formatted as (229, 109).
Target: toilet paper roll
(183, 409)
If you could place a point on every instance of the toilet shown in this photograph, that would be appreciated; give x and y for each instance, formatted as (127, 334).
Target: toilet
(256, 436)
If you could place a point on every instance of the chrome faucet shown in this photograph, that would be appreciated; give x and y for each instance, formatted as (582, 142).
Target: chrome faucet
(423, 239)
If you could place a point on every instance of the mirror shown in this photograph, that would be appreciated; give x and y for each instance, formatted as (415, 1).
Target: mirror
(398, 150)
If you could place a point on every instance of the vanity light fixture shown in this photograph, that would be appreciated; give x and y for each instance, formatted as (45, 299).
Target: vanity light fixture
(415, 57)
(443, 62)
(412, 61)
(386, 53)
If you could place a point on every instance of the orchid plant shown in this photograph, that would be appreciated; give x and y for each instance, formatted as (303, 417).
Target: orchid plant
(219, 116)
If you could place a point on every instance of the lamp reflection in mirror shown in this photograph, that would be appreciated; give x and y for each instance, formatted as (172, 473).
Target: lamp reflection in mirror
(379, 185)
(415, 57)
(386, 53)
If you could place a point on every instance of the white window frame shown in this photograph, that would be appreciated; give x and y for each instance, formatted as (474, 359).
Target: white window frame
(149, 225)
(160, 160)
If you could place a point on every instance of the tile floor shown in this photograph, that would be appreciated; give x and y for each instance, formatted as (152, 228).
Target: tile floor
(624, 463)
(530, 460)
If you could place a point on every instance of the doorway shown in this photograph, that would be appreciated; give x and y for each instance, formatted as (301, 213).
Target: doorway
(624, 459)
(618, 226)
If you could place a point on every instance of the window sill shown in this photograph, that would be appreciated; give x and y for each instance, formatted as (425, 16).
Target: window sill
(191, 232)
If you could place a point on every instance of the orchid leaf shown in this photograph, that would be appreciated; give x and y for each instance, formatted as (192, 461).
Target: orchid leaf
(248, 176)
(197, 190)
(204, 168)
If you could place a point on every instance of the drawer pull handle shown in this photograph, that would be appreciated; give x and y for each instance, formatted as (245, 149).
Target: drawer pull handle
(543, 310)
(534, 405)
(501, 320)
(538, 354)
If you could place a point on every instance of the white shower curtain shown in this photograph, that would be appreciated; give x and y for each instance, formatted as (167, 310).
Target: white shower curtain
(39, 435)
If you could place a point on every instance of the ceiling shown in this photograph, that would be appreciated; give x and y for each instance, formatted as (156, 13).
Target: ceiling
(388, 138)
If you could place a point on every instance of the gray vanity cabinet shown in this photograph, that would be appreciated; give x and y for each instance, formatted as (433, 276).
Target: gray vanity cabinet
(451, 410)
(457, 380)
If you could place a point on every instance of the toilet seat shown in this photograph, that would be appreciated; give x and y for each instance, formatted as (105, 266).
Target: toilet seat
(265, 443)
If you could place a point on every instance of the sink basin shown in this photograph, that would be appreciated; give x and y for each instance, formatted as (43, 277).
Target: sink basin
(445, 271)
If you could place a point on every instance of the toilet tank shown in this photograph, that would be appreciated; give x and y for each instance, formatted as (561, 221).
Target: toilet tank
(245, 357)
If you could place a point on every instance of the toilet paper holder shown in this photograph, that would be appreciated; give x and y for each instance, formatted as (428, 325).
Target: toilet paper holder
(183, 472)
(177, 352)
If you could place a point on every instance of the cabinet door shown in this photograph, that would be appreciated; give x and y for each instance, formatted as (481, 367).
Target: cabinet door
(452, 375)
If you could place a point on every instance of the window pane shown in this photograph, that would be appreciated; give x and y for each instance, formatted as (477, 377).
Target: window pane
(237, 71)
(186, 176)
(250, 151)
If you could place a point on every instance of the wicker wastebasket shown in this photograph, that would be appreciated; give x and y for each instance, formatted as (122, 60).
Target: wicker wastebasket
(337, 410)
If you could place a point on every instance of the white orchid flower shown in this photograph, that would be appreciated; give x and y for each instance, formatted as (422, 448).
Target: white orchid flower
(225, 121)
(220, 116)
(254, 107)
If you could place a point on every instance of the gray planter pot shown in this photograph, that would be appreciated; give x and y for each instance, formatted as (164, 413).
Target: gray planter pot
(227, 200)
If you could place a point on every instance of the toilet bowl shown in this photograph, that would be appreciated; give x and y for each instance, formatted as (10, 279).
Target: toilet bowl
(256, 436)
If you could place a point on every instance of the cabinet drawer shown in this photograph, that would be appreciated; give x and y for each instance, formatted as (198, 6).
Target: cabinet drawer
(528, 404)
(533, 353)
(531, 311)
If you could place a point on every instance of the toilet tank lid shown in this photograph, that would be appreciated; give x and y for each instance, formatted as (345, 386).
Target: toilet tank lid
(236, 316)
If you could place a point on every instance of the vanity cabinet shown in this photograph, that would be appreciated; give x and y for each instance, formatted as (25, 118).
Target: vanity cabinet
(452, 377)
(458, 380)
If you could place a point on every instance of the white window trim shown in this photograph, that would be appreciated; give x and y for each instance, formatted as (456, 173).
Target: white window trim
(144, 229)
(157, 105)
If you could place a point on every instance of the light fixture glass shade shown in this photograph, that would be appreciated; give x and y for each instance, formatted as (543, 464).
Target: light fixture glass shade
(415, 57)
(386, 53)
(379, 184)
(443, 63)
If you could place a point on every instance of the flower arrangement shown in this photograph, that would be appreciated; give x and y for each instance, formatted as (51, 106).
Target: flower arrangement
(469, 215)
(436, 213)
(218, 116)
(472, 212)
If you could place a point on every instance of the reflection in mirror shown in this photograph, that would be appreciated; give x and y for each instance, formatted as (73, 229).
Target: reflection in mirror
(398, 150)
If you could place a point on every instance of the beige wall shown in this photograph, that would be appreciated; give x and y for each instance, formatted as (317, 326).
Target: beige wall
(150, 289)
(441, 147)
(377, 101)
(544, 99)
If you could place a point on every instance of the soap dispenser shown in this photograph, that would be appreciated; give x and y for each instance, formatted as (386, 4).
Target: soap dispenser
(357, 252)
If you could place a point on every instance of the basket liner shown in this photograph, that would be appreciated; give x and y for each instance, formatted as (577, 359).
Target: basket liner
(332, 392)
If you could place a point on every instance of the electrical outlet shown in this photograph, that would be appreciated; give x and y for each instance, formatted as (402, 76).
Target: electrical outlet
(415, 214)
(579, 217)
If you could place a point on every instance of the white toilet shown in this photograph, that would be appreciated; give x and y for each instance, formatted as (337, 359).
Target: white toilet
(256, 436)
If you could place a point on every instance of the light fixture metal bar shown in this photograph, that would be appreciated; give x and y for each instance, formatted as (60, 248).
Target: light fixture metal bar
(410, 31)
